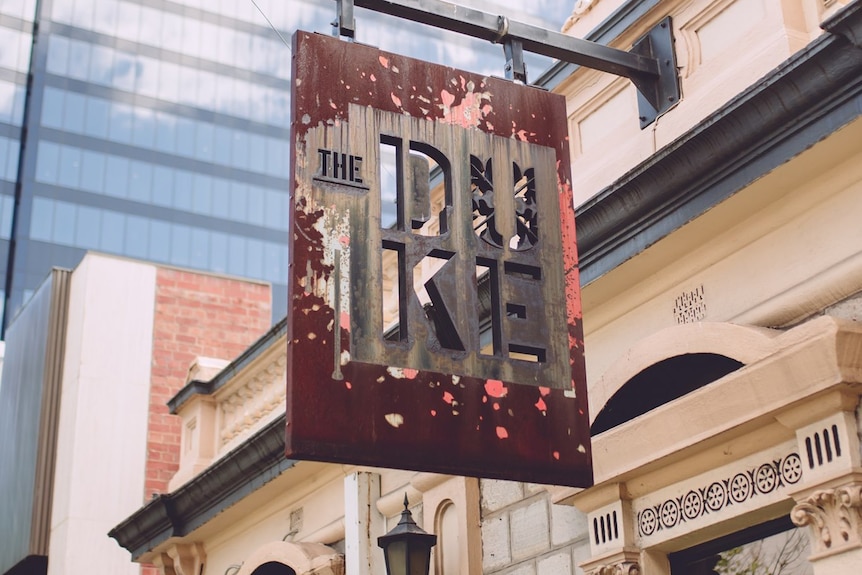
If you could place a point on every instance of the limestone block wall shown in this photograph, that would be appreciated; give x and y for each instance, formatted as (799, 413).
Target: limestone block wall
(523, 533)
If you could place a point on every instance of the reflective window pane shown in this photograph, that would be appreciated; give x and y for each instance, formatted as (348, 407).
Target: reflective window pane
(254, 258)
(218, 252)
(64, 223)
(73, 119)
(117, 176)
(98, 114)
(79, 60)
(52, 108)
(92, 172)
(165, 132)
(180, 241)
(8, 206)
(144, 134)
(163, 184)
(121, 123)
(182, 196)
(140, 181)
(202, 191)
(113, 229)
(160, 241)
(88, 228)
(137, 236)
(236, 255)
(101, 65)
(47, 162)
(70, 166)
(200, 249)
(42, 219)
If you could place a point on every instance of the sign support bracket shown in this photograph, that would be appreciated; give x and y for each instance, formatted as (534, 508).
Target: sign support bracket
(650, 64)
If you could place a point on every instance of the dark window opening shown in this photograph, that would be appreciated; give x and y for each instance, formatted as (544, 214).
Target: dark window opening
(776, 547)
(661, 383)
(273, 568)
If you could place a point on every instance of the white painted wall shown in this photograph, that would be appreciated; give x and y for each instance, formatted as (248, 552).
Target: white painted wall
(101, 448)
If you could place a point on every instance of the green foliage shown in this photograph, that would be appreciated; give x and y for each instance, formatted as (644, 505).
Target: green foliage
(782, 554)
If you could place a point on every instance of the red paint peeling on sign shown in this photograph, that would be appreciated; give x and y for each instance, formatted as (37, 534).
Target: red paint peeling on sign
(495, 388)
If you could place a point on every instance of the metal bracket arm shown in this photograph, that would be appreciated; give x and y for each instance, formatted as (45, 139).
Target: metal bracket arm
(651, 65)
(345, 23)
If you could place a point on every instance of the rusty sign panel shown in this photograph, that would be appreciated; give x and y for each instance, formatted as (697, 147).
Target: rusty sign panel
(434, 319)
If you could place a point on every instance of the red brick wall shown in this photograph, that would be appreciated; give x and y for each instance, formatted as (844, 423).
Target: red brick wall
(195, 315)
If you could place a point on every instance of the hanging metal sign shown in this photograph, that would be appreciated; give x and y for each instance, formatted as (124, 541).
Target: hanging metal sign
(434, 318)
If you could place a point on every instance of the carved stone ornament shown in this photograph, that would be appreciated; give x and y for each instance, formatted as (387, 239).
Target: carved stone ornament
(581, 8)
(621, 568)
(181, 560)
(835, 518)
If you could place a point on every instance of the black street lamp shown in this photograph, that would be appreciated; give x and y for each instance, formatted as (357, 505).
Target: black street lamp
(407, 547)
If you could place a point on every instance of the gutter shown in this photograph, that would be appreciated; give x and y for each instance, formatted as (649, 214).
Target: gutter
(239, 473)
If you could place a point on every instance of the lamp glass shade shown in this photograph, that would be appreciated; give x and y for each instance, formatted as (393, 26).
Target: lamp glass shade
(420, 559)
(396, 558)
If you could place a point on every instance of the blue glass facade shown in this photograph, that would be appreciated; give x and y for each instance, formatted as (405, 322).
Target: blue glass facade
(159, 129)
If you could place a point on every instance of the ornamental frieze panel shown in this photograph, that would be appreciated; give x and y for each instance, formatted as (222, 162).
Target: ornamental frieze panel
(252, 402)
(716, 496)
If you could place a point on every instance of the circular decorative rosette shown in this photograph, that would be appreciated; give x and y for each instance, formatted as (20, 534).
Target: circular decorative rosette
(669, 513)
(692, 505)
(740, 487)
(716, 495)
(791, 468)
(766, 478)
(648, 522)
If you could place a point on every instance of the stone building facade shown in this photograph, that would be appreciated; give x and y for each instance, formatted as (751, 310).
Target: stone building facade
(721, 276)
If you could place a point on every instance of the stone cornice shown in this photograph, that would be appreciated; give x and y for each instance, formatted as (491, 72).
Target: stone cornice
(258, 348)
(254, 463)
(799, 103)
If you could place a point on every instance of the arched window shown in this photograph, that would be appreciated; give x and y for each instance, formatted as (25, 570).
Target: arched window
(273, 568)
(661, 383)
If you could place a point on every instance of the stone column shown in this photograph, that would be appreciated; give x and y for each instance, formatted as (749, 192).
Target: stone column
(362, 524)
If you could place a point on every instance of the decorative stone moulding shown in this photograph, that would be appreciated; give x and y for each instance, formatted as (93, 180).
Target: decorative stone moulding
(185, 559)
(835, 519)
(726, 491)
(829, 447)
(253, 401)
(621, 564)
(610, 527)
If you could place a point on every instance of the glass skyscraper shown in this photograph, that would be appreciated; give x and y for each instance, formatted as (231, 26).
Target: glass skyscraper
(159, 129)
